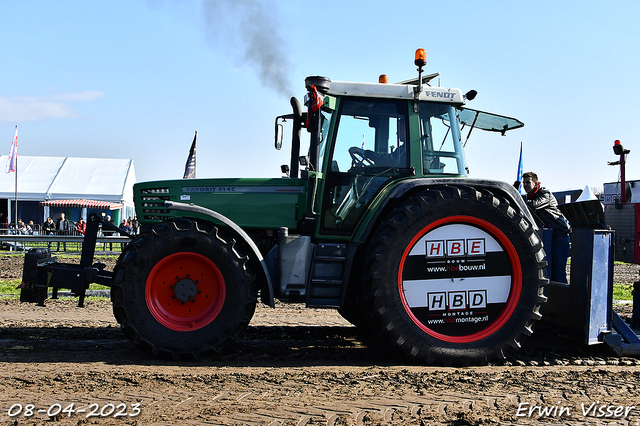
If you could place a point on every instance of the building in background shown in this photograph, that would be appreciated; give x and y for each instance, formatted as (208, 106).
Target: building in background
(48, 186)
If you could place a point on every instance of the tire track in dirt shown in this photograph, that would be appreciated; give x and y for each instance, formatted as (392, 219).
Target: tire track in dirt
(327, 396)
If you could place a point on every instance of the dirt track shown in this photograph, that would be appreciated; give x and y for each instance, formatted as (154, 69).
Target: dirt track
(296, 366)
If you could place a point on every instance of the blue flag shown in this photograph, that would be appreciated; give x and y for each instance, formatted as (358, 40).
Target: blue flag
(519, 174)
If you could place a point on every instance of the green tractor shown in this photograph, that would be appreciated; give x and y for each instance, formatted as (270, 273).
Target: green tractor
(379, 221)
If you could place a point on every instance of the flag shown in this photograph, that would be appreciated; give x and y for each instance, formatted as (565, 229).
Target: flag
(519, 174)
(314, 106)
(190, 167)
(13, 154)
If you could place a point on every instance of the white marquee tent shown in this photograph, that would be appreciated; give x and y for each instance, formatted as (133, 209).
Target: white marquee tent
(47, 179)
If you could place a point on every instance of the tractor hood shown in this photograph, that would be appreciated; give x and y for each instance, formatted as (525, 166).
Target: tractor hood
(268, 203)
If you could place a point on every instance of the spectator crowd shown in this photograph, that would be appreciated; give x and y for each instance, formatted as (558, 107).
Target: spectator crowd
(64, 226)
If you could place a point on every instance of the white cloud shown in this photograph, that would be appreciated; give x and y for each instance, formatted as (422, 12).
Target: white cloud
(22, 109)
(87, 95)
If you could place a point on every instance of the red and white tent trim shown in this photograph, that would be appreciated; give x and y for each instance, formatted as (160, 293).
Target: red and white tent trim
(92, 204)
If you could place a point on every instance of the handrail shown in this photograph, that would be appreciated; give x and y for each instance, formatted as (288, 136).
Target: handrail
(61, 238)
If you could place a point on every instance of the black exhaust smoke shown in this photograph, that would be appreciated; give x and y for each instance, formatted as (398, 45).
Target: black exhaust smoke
(249, 29)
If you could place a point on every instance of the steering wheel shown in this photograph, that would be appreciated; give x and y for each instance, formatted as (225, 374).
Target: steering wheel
(360, 157)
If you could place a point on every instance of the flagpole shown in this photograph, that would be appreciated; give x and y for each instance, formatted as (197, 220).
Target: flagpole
(14, 153)
(16, 193)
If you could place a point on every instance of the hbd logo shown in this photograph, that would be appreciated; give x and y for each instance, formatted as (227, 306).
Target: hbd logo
(456, 300)
(438, 249)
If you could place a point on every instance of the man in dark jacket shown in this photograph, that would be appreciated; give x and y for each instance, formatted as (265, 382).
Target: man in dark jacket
(49, 227)
(545, 206)
(62, 225)
(62, 228)
(108, 232)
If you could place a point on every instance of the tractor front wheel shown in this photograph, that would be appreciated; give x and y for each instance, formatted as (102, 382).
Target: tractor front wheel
(182, 290)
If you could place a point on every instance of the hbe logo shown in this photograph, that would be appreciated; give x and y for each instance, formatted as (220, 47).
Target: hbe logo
(438, 249)
(455, 300)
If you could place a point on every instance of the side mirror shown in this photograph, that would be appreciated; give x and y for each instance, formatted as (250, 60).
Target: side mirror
(471, 95)
(279, 135)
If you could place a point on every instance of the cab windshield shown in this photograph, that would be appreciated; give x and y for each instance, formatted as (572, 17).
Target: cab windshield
(442, 152)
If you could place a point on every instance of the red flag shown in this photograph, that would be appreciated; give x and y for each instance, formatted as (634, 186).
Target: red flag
(314, 104)
(13, 154)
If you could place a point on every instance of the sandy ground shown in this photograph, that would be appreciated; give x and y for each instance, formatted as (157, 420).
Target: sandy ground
(295, 366)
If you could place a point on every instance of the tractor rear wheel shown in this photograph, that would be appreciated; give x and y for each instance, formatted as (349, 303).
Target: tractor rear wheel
(455, 276)
(182, 290)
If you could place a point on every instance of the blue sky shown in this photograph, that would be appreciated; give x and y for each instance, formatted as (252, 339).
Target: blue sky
(134, 79)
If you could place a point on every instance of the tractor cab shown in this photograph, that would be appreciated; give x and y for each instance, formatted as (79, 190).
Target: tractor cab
(366, 138)
(378, 135)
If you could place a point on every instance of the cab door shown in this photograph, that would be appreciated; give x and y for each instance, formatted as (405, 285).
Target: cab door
(369, 148)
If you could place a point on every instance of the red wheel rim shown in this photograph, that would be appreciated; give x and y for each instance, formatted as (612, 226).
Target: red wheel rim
(185, 291)
(515, 285)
